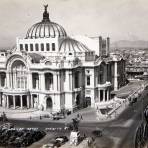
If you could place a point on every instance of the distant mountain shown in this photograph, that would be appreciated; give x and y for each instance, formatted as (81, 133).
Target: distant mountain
(130, 44)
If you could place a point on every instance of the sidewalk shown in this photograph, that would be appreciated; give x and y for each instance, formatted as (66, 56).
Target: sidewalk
(88, 115)
(128, 89)
(126, 94)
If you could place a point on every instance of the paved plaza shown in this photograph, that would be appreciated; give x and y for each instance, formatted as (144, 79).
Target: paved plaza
(115, 107)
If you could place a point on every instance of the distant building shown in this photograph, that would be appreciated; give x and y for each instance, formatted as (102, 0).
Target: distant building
(51, 71)
(136, 65)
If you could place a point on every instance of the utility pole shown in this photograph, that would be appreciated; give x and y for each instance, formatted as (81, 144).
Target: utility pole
(142, 110)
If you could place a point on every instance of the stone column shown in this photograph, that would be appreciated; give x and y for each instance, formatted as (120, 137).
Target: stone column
(7, 101)
(70, 81)
(0, 80)
(21, 100)
(28, 103)
(15, 79)
(8, 80)
(103, 95)
(14, 102)
(58, 82)
(5, 81)
(31, 101)
(24, 81)
(115, 77)
(29, 80)
(99, 95)
(0, 99)
(42, 81)
(37, 84)
(108, 95)
(55, 81)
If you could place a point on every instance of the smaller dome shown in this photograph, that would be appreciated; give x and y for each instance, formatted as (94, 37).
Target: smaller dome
(71, 45)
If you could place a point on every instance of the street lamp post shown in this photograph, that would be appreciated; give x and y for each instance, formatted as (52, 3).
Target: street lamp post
(142, 110)
(142, 101)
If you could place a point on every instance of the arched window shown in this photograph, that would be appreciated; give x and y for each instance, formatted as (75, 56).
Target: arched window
(21, 46)
(2, 78)
(49, 103)
(53, 46)
(19, 75)
(101, 74)
(37, 47)
(35, 80)
(47, 46)
(76, 79)
(26, 47)
(48, 63)
(48, 81)
(88, 80)
(42, 47)
(31, 47)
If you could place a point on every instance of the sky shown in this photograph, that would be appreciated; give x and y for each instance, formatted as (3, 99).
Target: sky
(118, 19)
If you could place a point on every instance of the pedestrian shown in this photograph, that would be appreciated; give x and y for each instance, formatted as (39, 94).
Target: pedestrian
(40, 117)
(84, 136)
(78, 115)
(4, 117)
(97, 107)
(81, 118)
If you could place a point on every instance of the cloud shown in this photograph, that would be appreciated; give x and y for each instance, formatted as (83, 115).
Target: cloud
(124, 19)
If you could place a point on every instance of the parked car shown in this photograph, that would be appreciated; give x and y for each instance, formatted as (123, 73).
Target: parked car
(62, 139)
(97, 133)
(68, 126)
(54, 144)
(57, 117)
(134, 100)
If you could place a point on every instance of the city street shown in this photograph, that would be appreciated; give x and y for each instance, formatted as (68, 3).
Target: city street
(117, 133)
(74, 74)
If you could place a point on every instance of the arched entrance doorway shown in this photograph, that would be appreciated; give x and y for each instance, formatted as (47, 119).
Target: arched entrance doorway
(78, 101)
(49, 103)
(88, 101)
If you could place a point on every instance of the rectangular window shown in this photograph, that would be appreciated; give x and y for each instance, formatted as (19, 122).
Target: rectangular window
(26, 47)
(21, 46)
(37, 47)
(77, 80)
(31, 47)
(101, 95)
(47, 46)
(42, 47)
(53, 46)
(105, 95)
(88, 80)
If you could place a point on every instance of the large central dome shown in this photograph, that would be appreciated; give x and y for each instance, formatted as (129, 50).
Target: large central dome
(46, 28)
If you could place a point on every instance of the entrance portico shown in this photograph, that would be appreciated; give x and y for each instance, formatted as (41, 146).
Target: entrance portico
(16, 100)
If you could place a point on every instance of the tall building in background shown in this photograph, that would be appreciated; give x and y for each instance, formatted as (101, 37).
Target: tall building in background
(49, 70)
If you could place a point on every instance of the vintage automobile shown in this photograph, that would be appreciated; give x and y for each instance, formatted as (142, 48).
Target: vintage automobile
(68, 126)
(134, 100)
(56, 142)
(61, 139)
(97, 133)
(57, 117)
(52, 144)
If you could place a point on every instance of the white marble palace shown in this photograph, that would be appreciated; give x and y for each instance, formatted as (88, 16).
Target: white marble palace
(49, 70)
